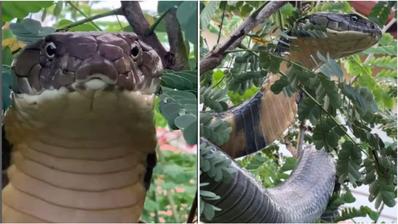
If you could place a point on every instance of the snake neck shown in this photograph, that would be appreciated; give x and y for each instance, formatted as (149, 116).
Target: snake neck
(92, 169)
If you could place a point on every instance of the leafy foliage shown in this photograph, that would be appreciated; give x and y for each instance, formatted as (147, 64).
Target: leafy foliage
(178, 102)
(215, 99)
(348, 108)
(179, 107)
(214, 129)
(20, 9)
(268, 166)
(216, 166)
(173, 187)
(381, 11)
(30, 30)
(186, 16)
(349, 163)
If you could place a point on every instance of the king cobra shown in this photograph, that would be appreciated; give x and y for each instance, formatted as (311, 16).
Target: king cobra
(82, 130)
(303, 197)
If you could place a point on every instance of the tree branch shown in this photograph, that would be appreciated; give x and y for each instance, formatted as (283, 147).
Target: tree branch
(88, 19)
(133, 13)
(83, 14)
(176, 41)
(215, 56)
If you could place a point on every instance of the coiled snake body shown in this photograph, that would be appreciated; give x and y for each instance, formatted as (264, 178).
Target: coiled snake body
(262, 119)
(83, 137)
(81, 127)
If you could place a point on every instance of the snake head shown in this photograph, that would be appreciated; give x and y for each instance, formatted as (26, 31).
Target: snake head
(336, 34)
(87, 60)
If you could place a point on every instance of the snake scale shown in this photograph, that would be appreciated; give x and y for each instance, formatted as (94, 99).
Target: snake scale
(258, 122)
(81, 127)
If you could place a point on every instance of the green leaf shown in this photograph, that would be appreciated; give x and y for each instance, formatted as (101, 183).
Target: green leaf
(30, 31)
(20, 9)
(309, 110)
(327, 134)
(361, 98)
(388, 62)
(187, 16)
(208, 195)
(166, 5)
(214, 129)
(327, 94)
(175, 102)
(269, 62)
(383, 191)
(349, 163)
(208, 211)
(58, 8)
(330, 67)
(216, 99)
(188, 124)
(215, 164)
(242, 81)
(6, 56)
(256, 162)
(349, 213)
(181, 80)
(245, 10)
(207, 13)
(237, 98)
(289, 164)
(380, 12)
(151, 205)
(217, 77)
(280, 84)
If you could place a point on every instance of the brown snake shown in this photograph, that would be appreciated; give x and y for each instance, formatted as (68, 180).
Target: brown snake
(81, 126)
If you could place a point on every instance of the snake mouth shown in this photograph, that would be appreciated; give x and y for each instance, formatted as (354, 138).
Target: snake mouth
(93, 76)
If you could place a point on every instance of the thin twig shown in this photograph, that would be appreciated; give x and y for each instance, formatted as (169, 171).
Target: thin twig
(156, 23)
(379, 212)
(300, 138)
(192, 212)
(83, 14)
(214, 57)
(101, 15)
(118, 21)
(221, 24)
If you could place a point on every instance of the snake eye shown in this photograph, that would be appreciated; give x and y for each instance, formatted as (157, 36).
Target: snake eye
(50, 49)
(135, 50)
(354, 18)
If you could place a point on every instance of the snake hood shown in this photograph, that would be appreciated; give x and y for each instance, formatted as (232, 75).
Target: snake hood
(87, 60)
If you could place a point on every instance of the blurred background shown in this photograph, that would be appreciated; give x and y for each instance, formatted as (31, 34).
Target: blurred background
(173, 187)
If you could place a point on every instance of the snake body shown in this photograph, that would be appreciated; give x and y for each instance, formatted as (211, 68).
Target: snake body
(81, 127)
(304, 195)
